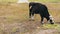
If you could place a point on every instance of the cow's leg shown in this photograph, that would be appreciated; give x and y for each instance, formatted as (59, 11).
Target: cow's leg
(42, 20)
(32, 16)
(29, 14)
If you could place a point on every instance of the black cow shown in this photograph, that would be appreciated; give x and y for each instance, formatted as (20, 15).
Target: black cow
(41, 9)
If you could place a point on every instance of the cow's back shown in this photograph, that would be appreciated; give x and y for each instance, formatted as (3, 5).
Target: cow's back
(39, 8)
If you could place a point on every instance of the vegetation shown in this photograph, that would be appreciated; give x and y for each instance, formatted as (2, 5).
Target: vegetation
(14, 18)
(46, 0)
(31, 0)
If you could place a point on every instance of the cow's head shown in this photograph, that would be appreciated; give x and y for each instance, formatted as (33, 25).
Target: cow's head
(51, 19)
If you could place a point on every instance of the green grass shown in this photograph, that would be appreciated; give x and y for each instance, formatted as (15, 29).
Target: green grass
(50, 26)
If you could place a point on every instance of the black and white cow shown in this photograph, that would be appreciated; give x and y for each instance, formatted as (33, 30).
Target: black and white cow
(41, 9)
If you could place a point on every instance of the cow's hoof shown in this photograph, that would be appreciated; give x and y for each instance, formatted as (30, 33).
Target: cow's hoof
(42, 23)
(31, 20)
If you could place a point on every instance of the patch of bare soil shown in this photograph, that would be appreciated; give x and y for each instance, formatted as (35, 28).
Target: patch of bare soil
(27, 27)
(47, 31)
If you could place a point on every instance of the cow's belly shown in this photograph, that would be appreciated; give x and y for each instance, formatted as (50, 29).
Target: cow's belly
(36, 12)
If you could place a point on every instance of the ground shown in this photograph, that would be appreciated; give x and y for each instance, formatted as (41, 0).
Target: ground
(14, 19)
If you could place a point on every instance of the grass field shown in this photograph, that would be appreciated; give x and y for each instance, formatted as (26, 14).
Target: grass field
(54, 1)
(14, 19)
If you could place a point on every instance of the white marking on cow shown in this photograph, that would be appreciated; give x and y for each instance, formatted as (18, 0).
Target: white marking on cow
(30, 7)
(42, 21)
(32, 17)
(51, 17)
(22, 1)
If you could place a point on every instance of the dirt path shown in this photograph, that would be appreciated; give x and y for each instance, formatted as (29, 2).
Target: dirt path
(48, 31)
(25, 27)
